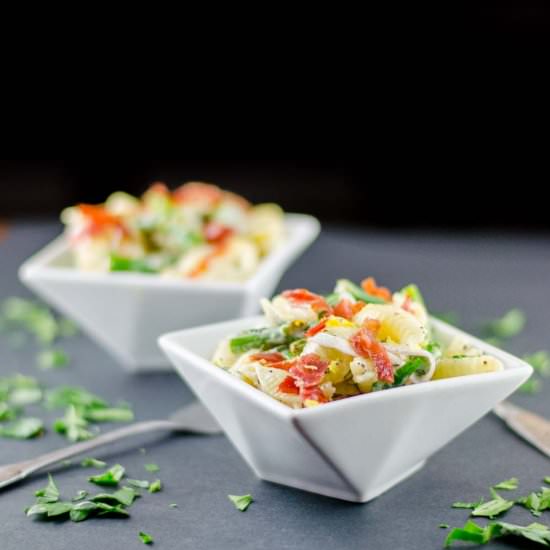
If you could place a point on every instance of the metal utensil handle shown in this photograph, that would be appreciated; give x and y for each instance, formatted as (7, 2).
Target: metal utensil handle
(20, 470)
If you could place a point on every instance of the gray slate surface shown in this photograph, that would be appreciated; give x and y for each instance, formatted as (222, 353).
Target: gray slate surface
(477, 276)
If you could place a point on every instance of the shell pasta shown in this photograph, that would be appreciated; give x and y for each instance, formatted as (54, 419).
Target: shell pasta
(313, 349)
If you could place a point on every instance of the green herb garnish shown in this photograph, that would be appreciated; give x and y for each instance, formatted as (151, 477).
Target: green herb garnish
(467, 505)
(531, 386)
(152, 468)
(139, 483)
(82, 494)
(510, 324)
(494, 507)
(407, 369)
(241, 502)
(73, 425)
(540, 361)
(507, 485)
(155, 486)
(119, 263)
(53, 358)
(472, 532)
(145, 538)
(89, 462)
(23, 428)
(48, 494)
(125, 496)
(110, 477)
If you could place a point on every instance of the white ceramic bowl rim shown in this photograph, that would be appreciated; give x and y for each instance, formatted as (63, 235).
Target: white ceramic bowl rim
(512, 366)
(300, 228)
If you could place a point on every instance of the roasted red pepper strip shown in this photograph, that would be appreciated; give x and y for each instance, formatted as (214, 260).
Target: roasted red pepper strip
(289, 386)
(215, 232)
(370, 287)
(365, 344)
(344, 308)
(268, 357)
(99, 218)
(304, 296)
(316, 328)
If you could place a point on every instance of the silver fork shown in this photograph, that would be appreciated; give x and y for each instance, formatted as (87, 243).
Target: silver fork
(192, 418)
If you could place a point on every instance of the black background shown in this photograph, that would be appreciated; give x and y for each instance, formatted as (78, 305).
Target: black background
(462, 189)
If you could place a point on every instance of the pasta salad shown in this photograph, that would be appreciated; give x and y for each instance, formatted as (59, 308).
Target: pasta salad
(359, 339)
(197, 231)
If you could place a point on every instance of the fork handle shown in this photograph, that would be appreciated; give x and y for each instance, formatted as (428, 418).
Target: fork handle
(14, 472)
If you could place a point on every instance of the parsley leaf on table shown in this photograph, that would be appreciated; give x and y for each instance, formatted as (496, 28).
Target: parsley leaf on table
(110, 477)
(241, 502)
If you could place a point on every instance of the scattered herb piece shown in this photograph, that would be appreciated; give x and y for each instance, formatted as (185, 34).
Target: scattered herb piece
(54, 358)
(63, 396)
(241, 502)
(139, 483)
(145, 538)
(82, 510)
(25, 396)
(125, 496)
(80, 495)
(467, 505)
(510, 324)
(109, 414)
(443, 525)
(472, 532)
(531, 386)
(156, 486)
(48, 494)
(73, 425)
(51, 509)
(23, 428)
(152, 468)
(540, 361)
(110, 477)
(90, 462)
(173, 505)
(507, 485)
(492, 508)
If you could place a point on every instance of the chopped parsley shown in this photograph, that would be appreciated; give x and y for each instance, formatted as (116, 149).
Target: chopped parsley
(19, 315)
(156, 486)
(507, 326)
(139, 483)
(110, 477)
(472, 532)
(493, 508)
(53, 358)
(467, 505)
(507, 485)
(23, 428)
(241, 502)
(145, 538)
(89, 462)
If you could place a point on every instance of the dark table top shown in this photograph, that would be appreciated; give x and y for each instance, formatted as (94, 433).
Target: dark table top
(477, 276)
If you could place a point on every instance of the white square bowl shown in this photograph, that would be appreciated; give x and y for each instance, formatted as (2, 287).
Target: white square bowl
(352, 449)
(127, 312)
